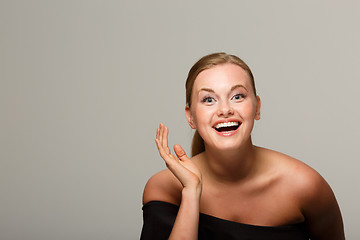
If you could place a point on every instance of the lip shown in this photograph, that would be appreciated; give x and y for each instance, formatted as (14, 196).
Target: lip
(230, 133)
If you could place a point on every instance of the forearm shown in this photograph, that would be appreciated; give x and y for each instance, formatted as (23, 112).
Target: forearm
(187, 220)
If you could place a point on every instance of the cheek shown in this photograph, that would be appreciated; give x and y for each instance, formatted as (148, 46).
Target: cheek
(201, 115)
(247, 111)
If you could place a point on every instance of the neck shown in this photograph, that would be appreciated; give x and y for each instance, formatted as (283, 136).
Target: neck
(230, 166)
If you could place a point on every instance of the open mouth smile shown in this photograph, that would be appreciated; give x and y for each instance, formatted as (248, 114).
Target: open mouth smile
(227, 128)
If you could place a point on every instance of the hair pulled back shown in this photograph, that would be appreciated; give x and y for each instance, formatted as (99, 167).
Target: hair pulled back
(202, 64)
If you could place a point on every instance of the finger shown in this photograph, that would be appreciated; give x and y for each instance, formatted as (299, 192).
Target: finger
(165, 137)
(161, 150)
(168, 158)
(160, 132)
(157, 133)
(164, 132)
(180, 153)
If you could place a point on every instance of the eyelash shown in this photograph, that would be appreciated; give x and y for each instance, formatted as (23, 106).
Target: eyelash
(206, 99)
(242, 96)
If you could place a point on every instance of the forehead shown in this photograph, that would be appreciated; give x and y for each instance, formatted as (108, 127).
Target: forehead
(222, 76)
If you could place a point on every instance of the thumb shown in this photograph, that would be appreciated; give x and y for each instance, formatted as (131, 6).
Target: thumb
(180, 153)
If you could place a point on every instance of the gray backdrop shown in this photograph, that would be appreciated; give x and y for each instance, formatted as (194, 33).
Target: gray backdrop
(84, 84)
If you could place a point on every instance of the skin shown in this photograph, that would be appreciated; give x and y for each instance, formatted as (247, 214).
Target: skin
(233, 179)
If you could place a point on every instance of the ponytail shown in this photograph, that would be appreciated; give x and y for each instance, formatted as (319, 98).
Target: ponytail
(198, 145)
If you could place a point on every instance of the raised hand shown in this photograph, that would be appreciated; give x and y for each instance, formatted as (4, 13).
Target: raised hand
(181, 166)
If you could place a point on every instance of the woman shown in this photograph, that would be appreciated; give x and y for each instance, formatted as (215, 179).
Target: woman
(231, 189)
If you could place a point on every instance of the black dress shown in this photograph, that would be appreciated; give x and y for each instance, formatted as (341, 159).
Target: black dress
(159, 218)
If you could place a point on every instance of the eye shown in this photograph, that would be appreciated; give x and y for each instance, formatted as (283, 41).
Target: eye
(239, 96)
(208, 100)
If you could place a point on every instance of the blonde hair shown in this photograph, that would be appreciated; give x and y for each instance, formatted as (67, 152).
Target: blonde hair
(206, 62)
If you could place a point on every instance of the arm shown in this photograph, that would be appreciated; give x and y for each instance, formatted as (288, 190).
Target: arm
(165, 187)
(321, 210)
(187, 220)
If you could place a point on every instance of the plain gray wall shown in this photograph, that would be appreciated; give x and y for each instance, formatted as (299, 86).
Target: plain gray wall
(84, 84)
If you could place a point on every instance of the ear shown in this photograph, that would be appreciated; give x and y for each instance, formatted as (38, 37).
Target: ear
(189, 117)
(258, 106)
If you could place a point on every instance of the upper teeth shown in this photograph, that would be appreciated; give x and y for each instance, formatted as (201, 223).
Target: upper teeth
(227, 124)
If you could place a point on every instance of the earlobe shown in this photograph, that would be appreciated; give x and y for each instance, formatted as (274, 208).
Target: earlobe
(258, 107)
(189, 117)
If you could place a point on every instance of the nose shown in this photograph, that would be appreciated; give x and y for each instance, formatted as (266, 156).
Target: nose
(225, 109)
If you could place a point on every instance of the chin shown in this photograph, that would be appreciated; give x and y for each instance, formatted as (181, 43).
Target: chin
(226, 146)
(233, 144)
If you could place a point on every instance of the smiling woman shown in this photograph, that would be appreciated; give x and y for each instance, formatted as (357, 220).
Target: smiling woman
(220, 96)
(230, 188)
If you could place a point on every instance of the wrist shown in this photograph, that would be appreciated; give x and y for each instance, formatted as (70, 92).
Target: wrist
(191, 192)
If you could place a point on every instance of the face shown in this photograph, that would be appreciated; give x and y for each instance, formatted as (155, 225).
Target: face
(223, 107)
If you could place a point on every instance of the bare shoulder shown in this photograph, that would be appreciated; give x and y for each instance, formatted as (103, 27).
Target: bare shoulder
(312, 193)
(163, 186)
(302, 182)
(297, 174)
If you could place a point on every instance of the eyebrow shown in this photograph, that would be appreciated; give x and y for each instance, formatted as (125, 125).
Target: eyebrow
(207, 90)
(233, 88)
(238, 86)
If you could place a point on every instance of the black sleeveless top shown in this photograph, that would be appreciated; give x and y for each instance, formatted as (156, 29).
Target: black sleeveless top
(159, 218)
